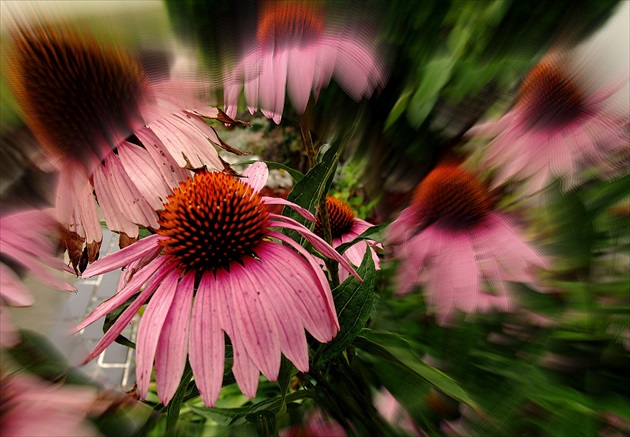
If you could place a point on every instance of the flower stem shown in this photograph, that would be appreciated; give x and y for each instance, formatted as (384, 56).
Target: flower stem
(311, 155)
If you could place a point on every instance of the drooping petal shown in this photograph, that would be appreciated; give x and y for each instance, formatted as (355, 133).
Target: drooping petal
(244, 369)
(124, 319)
(150, 328)
(255, 323)
(280, 303)
(130, 289)
(300, 75)
(279, 201)
(122, 257)
(12, 290)
(207, 345)
(170, 358)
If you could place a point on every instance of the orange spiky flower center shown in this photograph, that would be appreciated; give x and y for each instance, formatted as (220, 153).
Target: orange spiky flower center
(292, 21)
(78, 96)
(451, 197)
(212, 220)
(550, 96)
(340, 216)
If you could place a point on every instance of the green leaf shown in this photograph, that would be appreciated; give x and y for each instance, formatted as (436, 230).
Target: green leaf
(222, 416)
(36, 354)
(111, 318)
(174, 406)
(435, 75)
(398, 108)
(272, 405)
(364, 236)
(391, 348)
(353, 301)
(308, 191)
(287, 369)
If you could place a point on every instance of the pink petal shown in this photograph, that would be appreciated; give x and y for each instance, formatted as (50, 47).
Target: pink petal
(318, 310)
(130, 289)
(170, 358)
(207, 345)
(287, 319)
(300, 75)
(151, 325)
(279, 201)
(144, 174)
(255, 323)
(123, 257)
(244, 369)
(9, 336)
(256, 175)
(171, 172)
(124, 319)
(317, 242)
(12, 290)
(273, 79)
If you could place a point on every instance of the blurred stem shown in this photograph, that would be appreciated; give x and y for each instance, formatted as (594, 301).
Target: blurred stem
(311, 155)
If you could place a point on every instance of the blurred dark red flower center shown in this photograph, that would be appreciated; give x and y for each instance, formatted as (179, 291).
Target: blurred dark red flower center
(212, 220)
(452, 197)
(289, 21)
(340, 215)
(550, 96)
(78, 97)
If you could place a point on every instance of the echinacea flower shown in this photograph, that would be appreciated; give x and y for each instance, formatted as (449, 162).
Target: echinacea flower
(556, 127)
(452, 240)
(26, 249)
(214, 267)
(345, 227)
(32, 407)
(113, 130)
(296, 50)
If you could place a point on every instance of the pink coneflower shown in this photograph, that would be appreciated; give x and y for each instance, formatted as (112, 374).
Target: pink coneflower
(450, 239)
(394, 413)
(345, 227)
(216, 267)
(555, 127)
(295, 49)
(31, 407)
(25, 248)
(111, 129)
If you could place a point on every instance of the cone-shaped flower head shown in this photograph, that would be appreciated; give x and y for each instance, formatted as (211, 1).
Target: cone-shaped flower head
(556, 127)
(110, 128)
(215, 266)
(296, 49)
(452, 241)
(345, 227)
(80, 98)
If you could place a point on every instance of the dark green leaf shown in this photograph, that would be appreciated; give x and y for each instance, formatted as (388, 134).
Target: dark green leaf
(271, 405)
(395, 350)
(222, 416)
(353, 301)
(37, 355)
(174, 406)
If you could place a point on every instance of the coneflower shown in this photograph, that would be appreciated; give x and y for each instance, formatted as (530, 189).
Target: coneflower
(452, 241)
(215, 267)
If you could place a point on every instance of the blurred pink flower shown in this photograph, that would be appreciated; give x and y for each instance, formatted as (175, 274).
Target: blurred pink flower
(26, 248)
(33, 407)
(394, 413)
(215, 238)
(315, 425)
(296, 49)
(345, 227)
(111, 129)
(555, 128)
(450, 239)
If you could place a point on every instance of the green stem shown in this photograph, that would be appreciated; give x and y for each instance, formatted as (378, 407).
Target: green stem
(307, 140)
